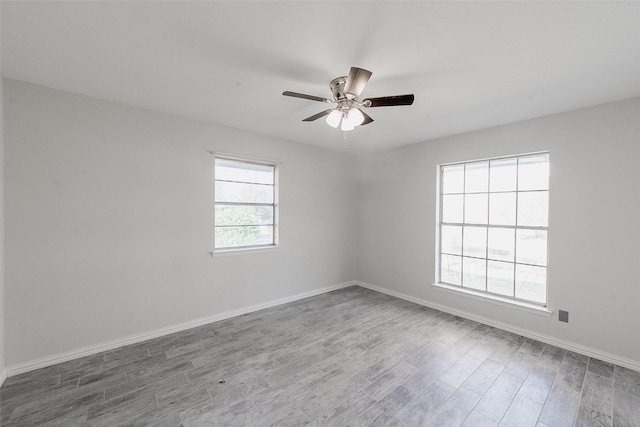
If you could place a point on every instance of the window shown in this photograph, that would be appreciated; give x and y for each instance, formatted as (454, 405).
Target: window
(493, 226)
(246, 204)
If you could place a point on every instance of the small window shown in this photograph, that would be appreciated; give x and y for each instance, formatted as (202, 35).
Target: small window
(493, 227)
(246, 204)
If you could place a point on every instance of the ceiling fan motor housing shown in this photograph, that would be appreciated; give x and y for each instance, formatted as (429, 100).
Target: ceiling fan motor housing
(337, 87)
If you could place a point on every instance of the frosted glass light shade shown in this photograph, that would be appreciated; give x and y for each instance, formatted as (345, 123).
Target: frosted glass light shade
(355, 116)
(346, 125)
(333, 119)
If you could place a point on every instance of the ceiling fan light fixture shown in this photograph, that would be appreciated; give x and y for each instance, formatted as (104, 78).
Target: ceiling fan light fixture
(333, 119)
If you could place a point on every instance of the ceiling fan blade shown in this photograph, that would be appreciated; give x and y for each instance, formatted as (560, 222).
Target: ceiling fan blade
(388, 101)
(303, 96)
(356, 81)
(317, 116)
(367, 119)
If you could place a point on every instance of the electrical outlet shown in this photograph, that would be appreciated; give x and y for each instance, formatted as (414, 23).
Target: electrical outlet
(563, 316)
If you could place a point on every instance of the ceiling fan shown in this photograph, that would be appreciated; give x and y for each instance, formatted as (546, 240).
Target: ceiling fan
(346, 90)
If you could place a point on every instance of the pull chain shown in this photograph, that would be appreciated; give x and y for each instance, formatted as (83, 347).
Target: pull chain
(345, 140)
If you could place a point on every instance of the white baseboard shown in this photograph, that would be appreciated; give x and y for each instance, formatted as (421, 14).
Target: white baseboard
(548, 339)
(133, 339)
(3, 376)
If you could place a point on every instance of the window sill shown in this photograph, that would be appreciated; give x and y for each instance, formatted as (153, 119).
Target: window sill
(244, 251)
(494, 299)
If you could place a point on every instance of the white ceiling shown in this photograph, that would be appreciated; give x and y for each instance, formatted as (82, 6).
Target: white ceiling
(471, 65)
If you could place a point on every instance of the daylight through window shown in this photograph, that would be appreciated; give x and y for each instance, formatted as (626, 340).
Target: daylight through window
(493, 226)
(246, 201)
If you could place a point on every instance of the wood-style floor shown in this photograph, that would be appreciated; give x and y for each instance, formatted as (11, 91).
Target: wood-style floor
(350, 357)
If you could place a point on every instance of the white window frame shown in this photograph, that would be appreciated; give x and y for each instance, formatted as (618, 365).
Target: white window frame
(275, 205)
(485, 294)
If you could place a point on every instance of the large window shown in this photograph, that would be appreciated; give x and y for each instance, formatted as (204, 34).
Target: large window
(246, 204)
(493, 226)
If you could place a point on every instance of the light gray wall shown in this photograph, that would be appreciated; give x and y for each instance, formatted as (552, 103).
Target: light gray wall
(109, 218)
(594, 233)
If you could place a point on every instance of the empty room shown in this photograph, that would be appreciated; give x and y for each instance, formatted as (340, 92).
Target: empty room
(340, 213)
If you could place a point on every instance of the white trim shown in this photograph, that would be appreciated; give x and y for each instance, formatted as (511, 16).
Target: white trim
(133, 339)
(244, 250)
(3, 376)
(548, 339)
(242, 158)
(494, 299)
(486, 159)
